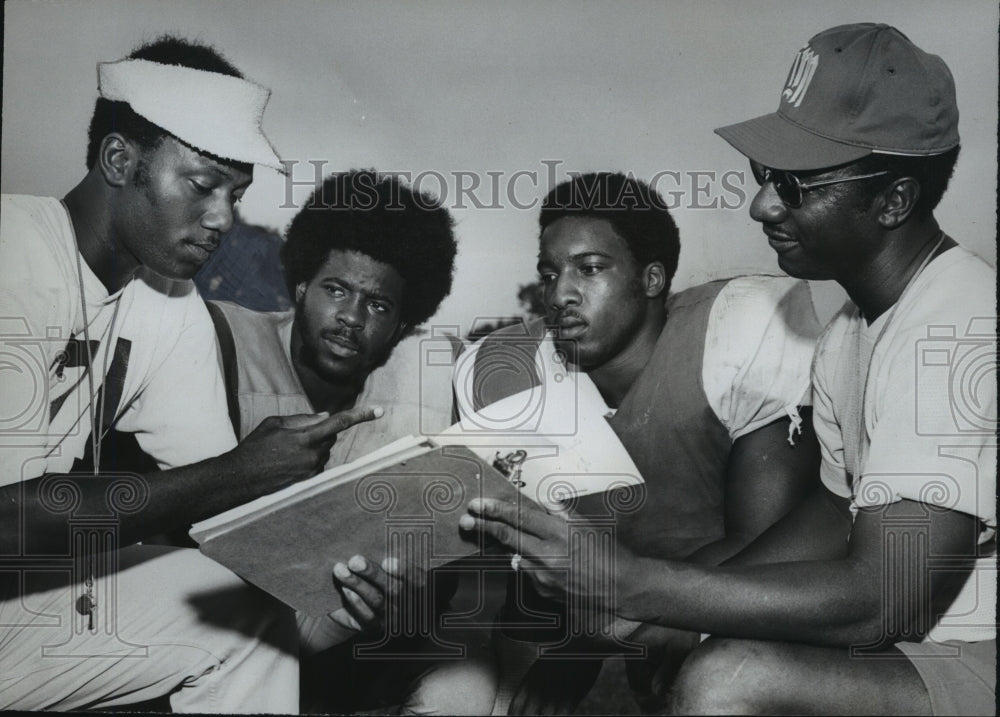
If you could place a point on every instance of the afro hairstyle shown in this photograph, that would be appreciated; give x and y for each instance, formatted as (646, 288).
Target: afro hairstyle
(377, 215)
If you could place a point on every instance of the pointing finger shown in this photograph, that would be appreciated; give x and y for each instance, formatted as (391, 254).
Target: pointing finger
(303, 420)
(328, 428)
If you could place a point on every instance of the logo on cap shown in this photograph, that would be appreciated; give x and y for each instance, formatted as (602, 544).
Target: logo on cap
(800, 76)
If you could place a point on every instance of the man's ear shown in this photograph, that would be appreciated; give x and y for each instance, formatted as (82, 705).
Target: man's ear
(300, 291)
(898, 202)
(116, 157)
(654, 279)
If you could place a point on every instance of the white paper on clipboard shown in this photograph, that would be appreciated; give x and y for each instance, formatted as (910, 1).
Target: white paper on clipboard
(571, 449)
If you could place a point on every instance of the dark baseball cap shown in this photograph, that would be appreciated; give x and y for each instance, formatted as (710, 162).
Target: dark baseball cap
(854, 90)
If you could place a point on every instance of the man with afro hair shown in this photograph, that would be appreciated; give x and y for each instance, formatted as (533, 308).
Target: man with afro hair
(367, 260)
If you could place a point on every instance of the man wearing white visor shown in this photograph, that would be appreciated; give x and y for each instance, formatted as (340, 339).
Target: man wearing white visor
(102, 328)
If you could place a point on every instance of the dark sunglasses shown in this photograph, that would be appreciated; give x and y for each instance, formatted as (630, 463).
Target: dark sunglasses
(790, 188)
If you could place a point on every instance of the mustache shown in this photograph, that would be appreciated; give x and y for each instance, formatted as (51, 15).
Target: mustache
(558, 316)
(209, 243)
(341, 333)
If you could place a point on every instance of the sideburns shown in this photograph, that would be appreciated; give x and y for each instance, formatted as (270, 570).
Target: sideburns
(140, 180)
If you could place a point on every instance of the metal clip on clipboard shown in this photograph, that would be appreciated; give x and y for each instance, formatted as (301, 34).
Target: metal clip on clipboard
(510, 466)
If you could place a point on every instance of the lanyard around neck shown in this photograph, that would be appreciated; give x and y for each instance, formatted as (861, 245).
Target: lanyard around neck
(96, 412)
(863, 366)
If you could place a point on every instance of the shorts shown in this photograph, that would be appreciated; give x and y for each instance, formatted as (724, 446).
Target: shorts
(960, 676)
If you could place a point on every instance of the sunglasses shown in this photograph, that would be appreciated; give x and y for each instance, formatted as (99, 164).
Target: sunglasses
(790, 188)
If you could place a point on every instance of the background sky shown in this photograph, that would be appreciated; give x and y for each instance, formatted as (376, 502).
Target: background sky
(507, 96)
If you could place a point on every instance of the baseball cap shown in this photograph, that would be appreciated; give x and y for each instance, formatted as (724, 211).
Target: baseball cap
(854, 90)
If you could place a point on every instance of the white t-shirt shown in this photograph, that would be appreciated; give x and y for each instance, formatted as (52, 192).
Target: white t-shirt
(930, 411)
(164, 353)
(759, 344)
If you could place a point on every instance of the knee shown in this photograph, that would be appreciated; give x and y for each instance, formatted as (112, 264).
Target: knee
(722, 677)
(465, 687)
(192, 588)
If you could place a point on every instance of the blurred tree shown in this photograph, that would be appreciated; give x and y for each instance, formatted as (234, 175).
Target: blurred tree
(532, 305)
(532, 299)
(246, 269)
